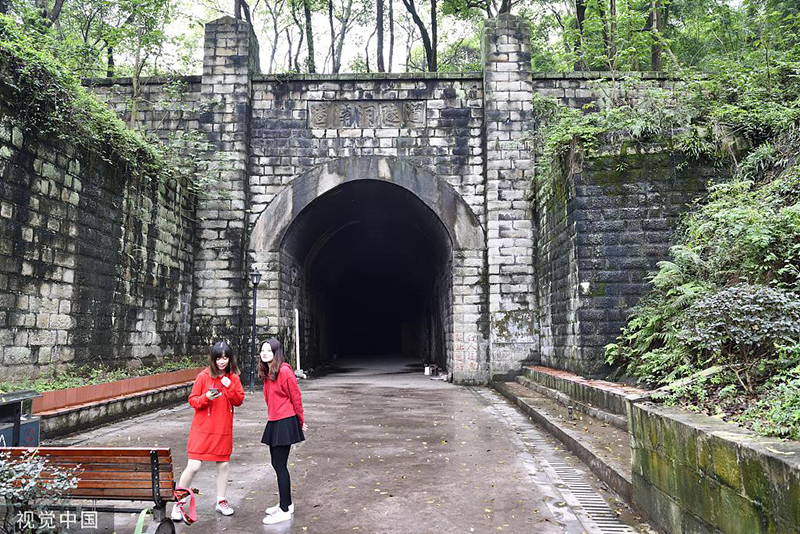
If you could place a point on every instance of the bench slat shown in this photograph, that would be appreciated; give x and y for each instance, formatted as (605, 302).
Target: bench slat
(120, 494)
(106, 460)
(132, 484)
(90, 451)
(109, 466)
(112, 475)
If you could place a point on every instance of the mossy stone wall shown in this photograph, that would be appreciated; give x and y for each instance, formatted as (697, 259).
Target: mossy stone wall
(694, 474)
(95, 264)
(603, 226)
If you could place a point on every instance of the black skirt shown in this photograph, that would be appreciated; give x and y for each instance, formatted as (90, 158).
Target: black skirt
(282, 432)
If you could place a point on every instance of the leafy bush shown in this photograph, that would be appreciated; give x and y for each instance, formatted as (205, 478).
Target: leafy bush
(777, 413)
(44, 97)
(29, 484)
(742, 326)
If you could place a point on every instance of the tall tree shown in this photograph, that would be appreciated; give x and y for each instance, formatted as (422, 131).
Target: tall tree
(379, 29)
(310, 65)
(427, 43)
(580, 17)
(657, 16)
(342, 18)
(276, 12)
(391, 33)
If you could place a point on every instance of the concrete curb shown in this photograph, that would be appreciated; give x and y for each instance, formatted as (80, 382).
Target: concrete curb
(616, 480)
(66, 421)
(566, 400)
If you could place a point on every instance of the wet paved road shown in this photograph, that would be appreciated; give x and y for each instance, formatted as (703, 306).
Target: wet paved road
(388, 451)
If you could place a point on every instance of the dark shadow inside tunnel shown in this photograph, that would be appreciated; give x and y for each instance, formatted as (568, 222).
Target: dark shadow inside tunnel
(368, 266)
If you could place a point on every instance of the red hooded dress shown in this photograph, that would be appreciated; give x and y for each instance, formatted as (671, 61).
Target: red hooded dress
(211, 435)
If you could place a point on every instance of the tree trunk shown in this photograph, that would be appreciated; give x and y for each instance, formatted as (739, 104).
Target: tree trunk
(655, 27)
(135, 83)
(612, 35)
(54, 14)
(366, 49)
(110, 62)
(289, 52)
(433, 63)
(391, 34)
(300, 43)
(426, 40)
(505, 7)
(276, 35)
(606, 39)
(345, 23)
(309, 37)
(580, 16)
(381, 66)
(334, 68)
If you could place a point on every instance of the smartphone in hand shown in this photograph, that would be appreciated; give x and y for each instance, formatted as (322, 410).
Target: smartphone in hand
(214, 391)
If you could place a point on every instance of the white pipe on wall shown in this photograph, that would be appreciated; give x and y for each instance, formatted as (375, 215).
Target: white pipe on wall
(299, 371)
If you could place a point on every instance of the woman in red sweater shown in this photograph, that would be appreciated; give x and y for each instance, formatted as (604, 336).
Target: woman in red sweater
(217, 389)
(285, 424)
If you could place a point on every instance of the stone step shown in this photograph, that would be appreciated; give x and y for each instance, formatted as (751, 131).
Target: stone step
(602, 446)
(618, 421)
(601, 394)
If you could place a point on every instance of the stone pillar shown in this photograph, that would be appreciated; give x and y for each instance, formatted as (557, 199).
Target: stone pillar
(508, 90)
(221, 286)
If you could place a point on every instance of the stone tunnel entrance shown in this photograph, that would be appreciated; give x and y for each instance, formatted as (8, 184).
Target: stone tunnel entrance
(380, 258)
(372, 265)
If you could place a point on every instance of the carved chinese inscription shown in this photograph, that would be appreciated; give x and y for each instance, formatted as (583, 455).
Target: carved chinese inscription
(345, 114)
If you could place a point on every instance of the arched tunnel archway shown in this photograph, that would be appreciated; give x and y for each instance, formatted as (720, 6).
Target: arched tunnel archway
(380, 257)
(375, 267)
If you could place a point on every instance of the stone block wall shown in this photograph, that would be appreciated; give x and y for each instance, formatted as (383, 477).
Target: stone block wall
(297, 125)
(694, 474)
(576, 89)
(508, 90)
(602, 230)
(221, 283)
(168, 105)
(95, 265)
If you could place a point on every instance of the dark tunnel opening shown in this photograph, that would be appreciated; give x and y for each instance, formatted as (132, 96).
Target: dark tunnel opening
(373, 274)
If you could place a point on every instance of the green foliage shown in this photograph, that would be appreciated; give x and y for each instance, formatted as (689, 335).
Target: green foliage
(627, 111)
(46, 98)
(28, 485)
(86, 375)
(730, 296)
(743, 323)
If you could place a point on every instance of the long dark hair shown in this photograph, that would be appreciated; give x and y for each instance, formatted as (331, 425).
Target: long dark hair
(220, 348)
(274, 366)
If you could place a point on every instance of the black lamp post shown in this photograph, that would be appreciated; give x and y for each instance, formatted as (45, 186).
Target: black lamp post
(255, 277)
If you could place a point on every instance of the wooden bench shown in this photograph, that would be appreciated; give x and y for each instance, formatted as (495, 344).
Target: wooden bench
(115, 474)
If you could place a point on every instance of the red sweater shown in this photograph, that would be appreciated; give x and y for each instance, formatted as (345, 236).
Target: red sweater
(211, 435)
(283, 395)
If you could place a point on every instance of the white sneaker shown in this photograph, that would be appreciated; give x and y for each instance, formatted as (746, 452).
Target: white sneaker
(223, 508)
(277, 517)
(272, 509)
(176, 513)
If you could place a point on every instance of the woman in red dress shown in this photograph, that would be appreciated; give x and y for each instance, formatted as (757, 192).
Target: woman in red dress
(217, 389)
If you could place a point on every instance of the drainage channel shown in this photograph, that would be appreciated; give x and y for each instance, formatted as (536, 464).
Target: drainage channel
(574, 495)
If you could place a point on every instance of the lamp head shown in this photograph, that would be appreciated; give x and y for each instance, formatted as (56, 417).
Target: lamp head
(255, 276)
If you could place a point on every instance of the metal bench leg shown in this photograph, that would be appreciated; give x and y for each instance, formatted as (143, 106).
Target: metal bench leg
(161, 524)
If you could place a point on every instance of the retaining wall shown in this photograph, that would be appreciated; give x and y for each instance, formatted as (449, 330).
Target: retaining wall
(95, 265)
(694, 474)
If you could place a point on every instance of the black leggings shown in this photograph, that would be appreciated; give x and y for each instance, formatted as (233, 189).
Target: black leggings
(280, 455)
